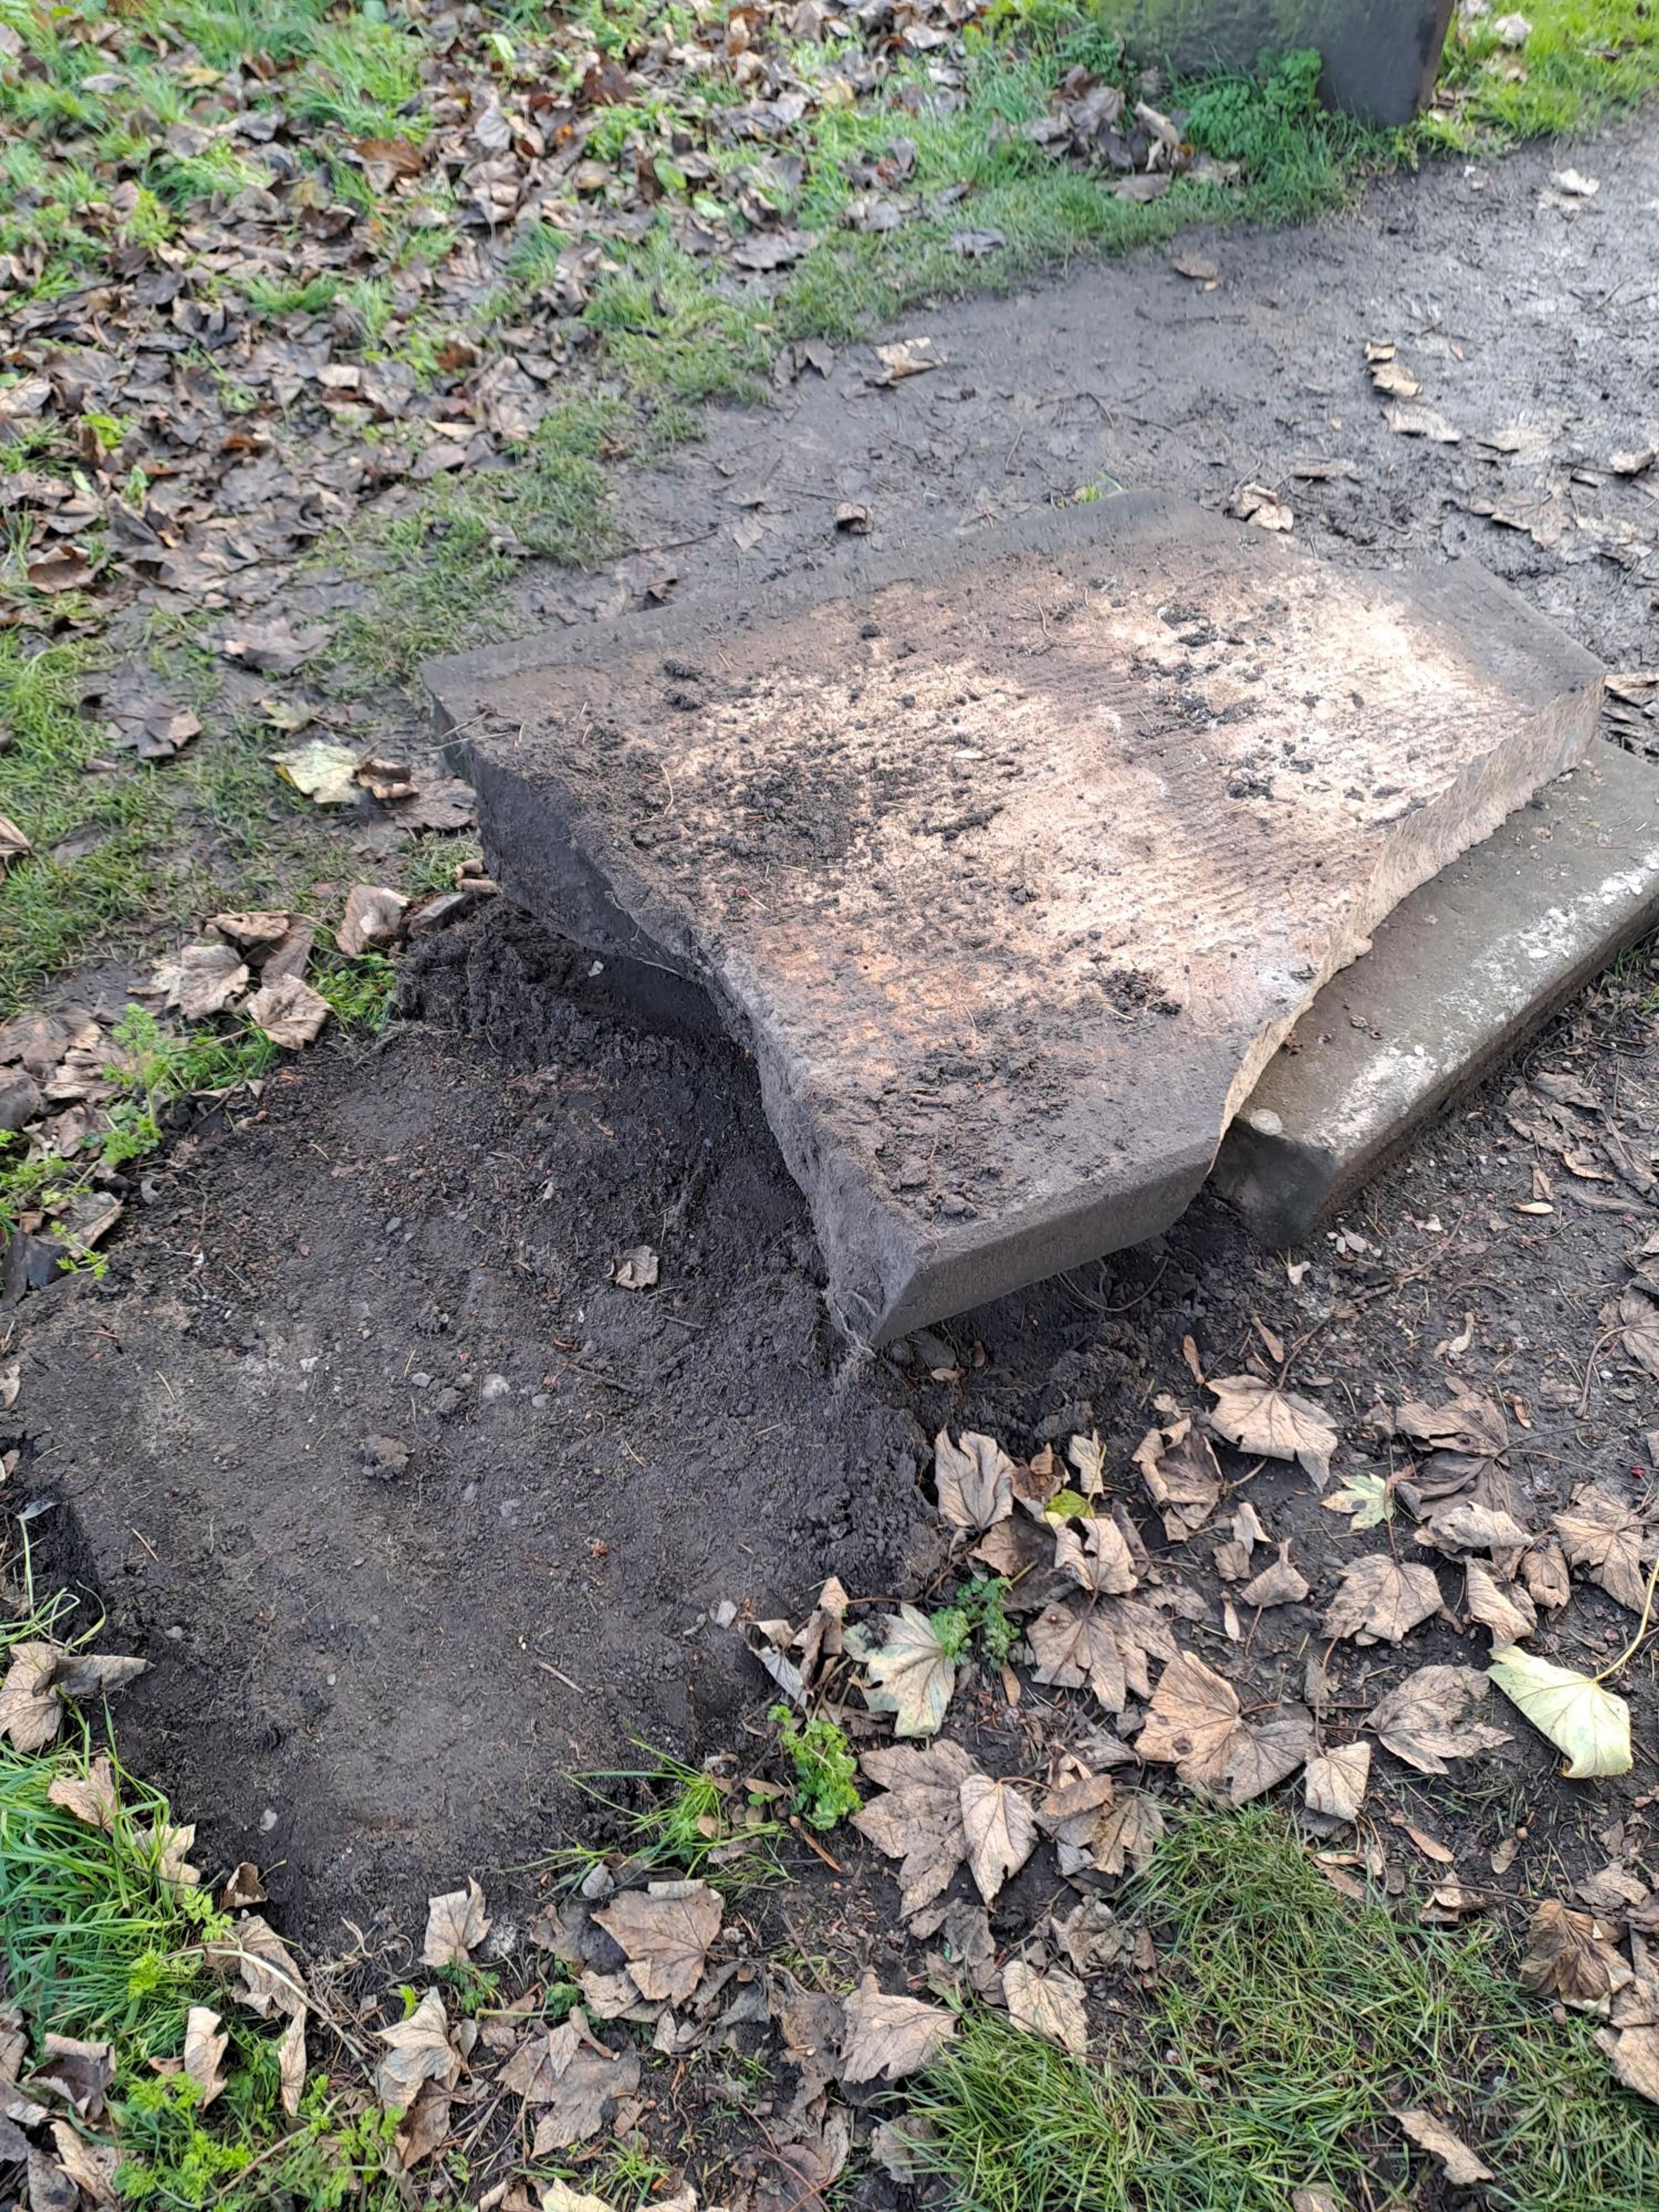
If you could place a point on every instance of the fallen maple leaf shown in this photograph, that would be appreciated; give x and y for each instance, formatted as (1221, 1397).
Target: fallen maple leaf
(418, 2049)
(206, 2043)
(665, 1931)
(886, 2037)
(1278, 1585)
(1610, 1539)
(918, 1819)
(1380, 1598)
(975, 1480)
(912, 1674)
(43, 1679)
(289, 1013)
(999, 1829)
(1458, 2162)
(1183, 1480)
(1589, 1724)
(456, 1924)
(1335, 1784)
(1427, 1718)
(372, 917)
(1367, 1499)
(1570, 1955)
(1097, 1557)
(1050, 2005)
(1265, 1419)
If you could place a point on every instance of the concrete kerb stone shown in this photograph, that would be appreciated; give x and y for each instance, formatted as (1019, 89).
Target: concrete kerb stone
(1457, 976)
(1012, 861)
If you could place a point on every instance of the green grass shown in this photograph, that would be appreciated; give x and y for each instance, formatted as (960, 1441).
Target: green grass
(1585, 61)
(96, 1942)
(438, 570)
(1284, 2029)
(677, 1819)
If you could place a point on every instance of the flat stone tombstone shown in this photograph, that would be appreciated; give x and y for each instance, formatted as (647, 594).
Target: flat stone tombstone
(1013, 859)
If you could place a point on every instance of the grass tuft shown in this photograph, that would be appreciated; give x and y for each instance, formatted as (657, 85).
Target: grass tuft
(1285, 2030)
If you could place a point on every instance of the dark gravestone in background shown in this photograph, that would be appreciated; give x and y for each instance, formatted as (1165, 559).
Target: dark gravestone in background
(1380, 56)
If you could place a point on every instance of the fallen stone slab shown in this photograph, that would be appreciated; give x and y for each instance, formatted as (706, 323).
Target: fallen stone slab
(1013, 859)
(1457, 976)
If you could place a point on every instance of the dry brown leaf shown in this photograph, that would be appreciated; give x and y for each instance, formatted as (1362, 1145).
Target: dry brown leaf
(1570, 1955)
(1191, 1722)
(1001, 1830)
(425, 2127)
(975, 1482)
(1335, 1783)
(1378, 1598)
(1074, 1649)
(90, 1796)
(1278, 1585)
(270, 1980)
(1264, 1753)
(1178, 1465)
(665, 1931)
(1050, 2005)
(1636, 2062)
(1127, 1833)
(92, 2167)
(1466, 1423)
(1264, 1418)
(1254, 503)
(243, 1888)
(1457, 2162)
(887, 2038)
(1412, 419)
(288, 1011)
(1072, 1812)
(372, 917)
(1502, 1607)
(42, 1677)
(202, 981)
(1611, 1540)
(918, 1820)
(79, 2072)
(251, 931)
(577, 2082)
(418, 2049)
(291, 2064)
(1427, 1718)
(206, 2043)
(1087, 1458)
(456, 1923)
(1095, 1555)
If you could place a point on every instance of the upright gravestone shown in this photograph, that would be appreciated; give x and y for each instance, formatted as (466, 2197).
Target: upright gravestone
(1380, 56)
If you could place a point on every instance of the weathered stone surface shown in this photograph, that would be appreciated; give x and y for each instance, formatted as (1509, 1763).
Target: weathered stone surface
(1459, 973)
(1381, 57)
(1013, 859)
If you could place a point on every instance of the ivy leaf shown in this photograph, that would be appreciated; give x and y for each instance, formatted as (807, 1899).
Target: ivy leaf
(1580, 1718)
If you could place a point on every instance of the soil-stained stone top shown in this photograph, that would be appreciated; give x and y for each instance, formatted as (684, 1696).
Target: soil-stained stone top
(1013, 861)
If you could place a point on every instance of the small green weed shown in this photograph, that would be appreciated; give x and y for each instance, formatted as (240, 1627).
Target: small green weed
(977, 1612)
(825, 1770)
